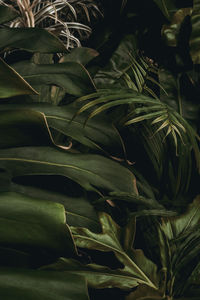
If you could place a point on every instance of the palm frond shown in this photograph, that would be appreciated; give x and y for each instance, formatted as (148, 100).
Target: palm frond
(140, 74)
(143, 108)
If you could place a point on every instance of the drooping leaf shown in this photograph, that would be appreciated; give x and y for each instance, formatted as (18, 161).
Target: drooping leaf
(41, 285)
(30, 39)
(92, 172)
(30, 222)
(11, 83)
(195, 35)
(7, 14)
(71, 76)
(120, 241)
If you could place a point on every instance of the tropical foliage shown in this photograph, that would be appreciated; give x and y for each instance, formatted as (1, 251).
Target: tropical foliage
(99, 150)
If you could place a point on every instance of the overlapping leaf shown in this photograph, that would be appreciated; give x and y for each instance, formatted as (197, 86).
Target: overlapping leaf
(7, 14)
(145, 108)
(71, 76)
(30, 39)
(30, 222)
(179, 246)
(41, 285)
(93, 172)
(11, 83)
(137, 268)
(98, 134)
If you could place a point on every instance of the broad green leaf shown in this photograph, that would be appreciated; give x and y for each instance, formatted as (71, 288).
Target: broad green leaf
(71, 76)
(41, 285)
(120, 241)
(80, 212)
(195, 35)
(11, 83)
(24, 128)
(81, 55)
(30, 39)
(93, 172)
(7, 14)
(179, 239)
(34, 223)
(98, 134)
(98, 277)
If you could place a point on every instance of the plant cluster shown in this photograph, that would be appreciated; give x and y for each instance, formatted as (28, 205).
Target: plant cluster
(99, 150)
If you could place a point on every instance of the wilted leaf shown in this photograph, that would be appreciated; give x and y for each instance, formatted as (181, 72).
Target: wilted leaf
(30, 222)
(11, 83)
(93, 172)
(71, 76)
(41, 285)
(30, 39)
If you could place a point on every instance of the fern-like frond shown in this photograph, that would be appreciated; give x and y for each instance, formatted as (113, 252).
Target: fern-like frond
(140, 74)
(143, 108)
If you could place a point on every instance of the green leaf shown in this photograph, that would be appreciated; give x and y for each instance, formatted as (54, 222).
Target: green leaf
(71, 76)
(11, 83)
(179, 239)
(79, 211)
(118, 65)
(41, 285)
(30, 39)
(36, 223)
(24, 128)
(120, 241)
(146, 293)
(7, 14)
(92, 172)
(195, 35)
(98, 134)
(81, 55)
